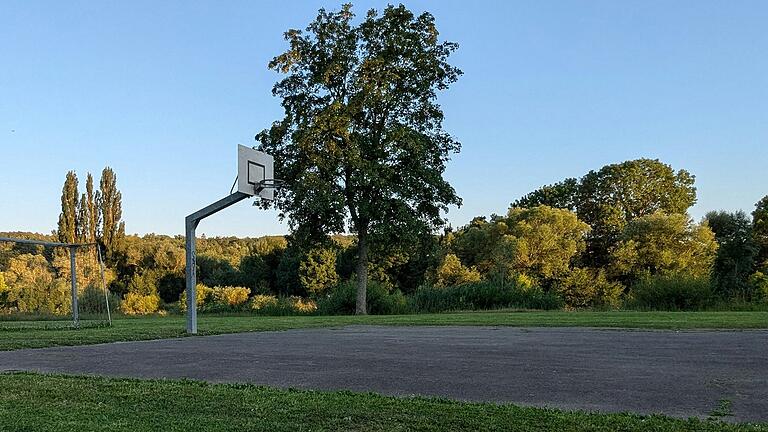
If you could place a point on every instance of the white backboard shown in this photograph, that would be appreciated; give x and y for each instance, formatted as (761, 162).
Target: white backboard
(254, 166)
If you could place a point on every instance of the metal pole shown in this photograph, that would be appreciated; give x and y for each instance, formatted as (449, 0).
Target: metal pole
(190, 224)
(75, 316)
(104, 284)
(191, 275)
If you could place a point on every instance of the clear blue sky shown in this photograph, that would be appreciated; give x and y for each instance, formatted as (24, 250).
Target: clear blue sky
(162, 91)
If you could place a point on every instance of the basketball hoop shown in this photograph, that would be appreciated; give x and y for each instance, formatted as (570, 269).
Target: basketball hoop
(275, 184)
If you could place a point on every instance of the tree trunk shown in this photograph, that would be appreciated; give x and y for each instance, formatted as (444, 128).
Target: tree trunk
(361, 307)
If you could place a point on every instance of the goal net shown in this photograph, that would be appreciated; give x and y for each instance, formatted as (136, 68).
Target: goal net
(45, 284)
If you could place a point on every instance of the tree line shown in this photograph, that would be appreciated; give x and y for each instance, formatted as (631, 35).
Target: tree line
(641, 249)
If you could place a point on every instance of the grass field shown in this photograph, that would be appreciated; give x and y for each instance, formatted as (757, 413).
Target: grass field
(60, 403)
(21, 334)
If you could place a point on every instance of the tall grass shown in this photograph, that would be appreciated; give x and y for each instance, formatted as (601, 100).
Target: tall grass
(672, 292)
(482, 296)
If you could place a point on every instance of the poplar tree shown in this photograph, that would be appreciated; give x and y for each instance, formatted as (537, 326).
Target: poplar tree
(94, 213)
(67, 228)
(110, 204)
(82, 223)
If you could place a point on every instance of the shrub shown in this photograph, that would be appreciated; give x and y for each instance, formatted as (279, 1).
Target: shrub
(140, 304)
(585, 288)
(302, 306)
(230, 296)
(204, 295)
(673, 291)
(759, 283)
(342, 300)
(217, 299)
(483, 296)
(270, 305)
(262, 301)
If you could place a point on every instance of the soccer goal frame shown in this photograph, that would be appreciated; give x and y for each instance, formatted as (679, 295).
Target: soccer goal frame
(73, 247)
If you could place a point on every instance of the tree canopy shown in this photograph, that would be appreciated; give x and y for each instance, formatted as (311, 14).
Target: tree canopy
(760, 230)
(661, 243)
(735, 260)
(611, 197)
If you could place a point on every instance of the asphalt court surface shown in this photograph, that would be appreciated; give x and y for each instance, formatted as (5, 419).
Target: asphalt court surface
(682, 374)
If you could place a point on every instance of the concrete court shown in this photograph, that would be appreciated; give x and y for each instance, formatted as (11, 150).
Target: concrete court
(676, 373)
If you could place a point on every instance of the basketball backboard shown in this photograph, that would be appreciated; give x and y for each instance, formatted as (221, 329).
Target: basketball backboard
(253, 167)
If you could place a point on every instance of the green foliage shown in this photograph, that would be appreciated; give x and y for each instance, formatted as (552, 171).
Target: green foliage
(317, 271)
(262, 301)
(361, 144)
(135, 303)
(342, 300)
(92, 213)
(451, 272)
(287, 272)
(67, 228)
(269, 305)
(560, 195)
(231, 297)
(760, 230)
(31, 286)
(736, 253)
(482, 296)
(672, 291)
(540, 242)
(217, 299)
(3, 291)
(203, 295)
(759, 285)
(144, 283)
(589, 288)
(142, 297)
(662, 243)
(475, 243)
(613, 196)
(110, 205)
(617, 194)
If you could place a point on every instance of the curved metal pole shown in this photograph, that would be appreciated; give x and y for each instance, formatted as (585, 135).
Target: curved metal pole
(190, 224)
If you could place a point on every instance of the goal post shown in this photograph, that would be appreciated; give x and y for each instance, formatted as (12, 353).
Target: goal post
(72, 251)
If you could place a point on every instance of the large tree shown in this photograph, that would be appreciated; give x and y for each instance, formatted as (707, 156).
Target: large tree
(67, 229)
(361, 145)
(735, 260)
(617, 194)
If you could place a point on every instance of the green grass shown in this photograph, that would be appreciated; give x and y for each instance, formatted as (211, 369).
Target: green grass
(20, 334)
(60, 403)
